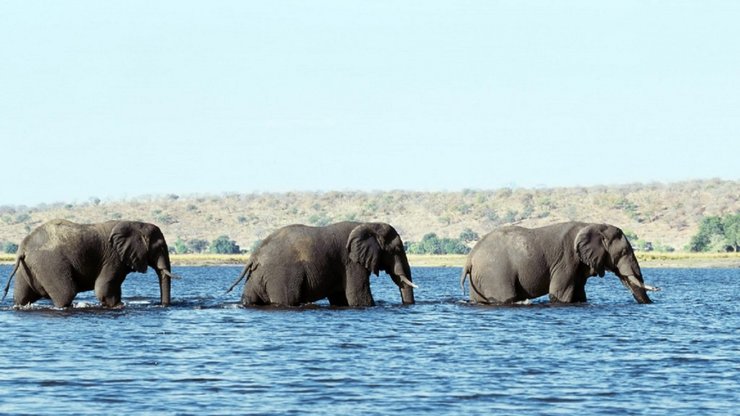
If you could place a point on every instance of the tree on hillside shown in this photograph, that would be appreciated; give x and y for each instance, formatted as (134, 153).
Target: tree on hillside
(717, 234)
(197, 245)
(181, 247)
(731, 226)
(224, 245)
(432, 244)
(709, 226)
(10, 248)
(468, 236)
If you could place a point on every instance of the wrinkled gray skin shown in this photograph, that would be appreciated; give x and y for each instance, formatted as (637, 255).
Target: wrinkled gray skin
(513, 263)
(60, 259)
(300, 264)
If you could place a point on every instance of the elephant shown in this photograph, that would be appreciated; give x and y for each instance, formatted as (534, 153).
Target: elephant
(61, 258)
(300, 264)
(513, 264)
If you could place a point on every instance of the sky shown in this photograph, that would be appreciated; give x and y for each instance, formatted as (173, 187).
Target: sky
(119, 99)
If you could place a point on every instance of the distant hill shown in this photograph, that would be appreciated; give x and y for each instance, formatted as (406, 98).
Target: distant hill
(666, 215)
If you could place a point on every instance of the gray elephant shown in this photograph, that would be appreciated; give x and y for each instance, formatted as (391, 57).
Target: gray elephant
(300, 264)
(60, 258)
(513, 263)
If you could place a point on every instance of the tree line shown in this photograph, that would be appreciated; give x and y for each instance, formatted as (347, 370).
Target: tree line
(221, 245)
(716, 234)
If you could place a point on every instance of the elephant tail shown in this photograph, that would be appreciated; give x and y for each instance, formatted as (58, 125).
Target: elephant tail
(248, 269)
(468, 271)
(465, 273)
(18, 261)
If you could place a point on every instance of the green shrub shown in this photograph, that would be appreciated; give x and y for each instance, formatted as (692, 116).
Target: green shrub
(10, 248)
(491, 215)
(432, 244)
(181, 247)
(468, 235)
(319, 220)
(527, 212)
(224, 245)
(664, 248)
(22, 218)
(197, 245)
(511, 216)
(717, 234)
(350, 217)
(161, 217)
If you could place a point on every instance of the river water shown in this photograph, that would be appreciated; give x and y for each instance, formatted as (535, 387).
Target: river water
(208, 355)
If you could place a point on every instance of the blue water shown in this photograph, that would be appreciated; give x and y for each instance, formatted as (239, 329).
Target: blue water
(207, 355)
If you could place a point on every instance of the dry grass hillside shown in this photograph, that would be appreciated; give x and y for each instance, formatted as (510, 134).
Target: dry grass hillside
(665, 214)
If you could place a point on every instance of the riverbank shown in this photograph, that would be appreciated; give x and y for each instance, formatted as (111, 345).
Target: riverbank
(648, 260)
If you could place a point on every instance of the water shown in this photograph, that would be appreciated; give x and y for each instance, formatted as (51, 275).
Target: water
(205, 354)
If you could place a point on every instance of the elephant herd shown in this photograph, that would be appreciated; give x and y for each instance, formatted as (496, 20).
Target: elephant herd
(300, 264)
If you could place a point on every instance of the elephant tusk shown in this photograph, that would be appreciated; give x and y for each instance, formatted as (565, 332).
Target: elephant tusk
(405, 280)
(170, 275)
(634, 282)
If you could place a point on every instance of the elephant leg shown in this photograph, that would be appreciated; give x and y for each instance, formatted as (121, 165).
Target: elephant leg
(108, 286)
(286, 291)
(23, 293)
(108, 291)
(488, 289)
(52, 276)
(579, 293)
(60, 286)
(357, 292)
(250, 296)
(338, 299)
(563, 289)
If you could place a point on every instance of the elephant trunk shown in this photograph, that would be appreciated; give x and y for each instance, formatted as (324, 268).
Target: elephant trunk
(164, 272)
(628, 271)
(638, 288)
(407, 295)
(165, 289)
(401, 276)
(406, 286)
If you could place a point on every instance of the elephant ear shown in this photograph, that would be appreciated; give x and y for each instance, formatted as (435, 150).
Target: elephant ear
(364, 248)
(131, 245)
(589, 245)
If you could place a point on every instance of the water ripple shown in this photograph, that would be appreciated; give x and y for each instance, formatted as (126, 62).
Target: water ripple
(208, 354)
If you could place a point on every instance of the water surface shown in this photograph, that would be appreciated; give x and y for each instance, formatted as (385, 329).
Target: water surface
(208, 355)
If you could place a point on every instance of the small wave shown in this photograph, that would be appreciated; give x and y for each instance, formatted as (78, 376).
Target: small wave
(55, 383)
(556, 399)
(197, 380)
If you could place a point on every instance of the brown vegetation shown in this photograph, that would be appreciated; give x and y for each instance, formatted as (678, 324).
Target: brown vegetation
(665, 214)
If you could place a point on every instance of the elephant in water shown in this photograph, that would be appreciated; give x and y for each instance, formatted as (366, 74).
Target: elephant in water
(301, 264)
(60, 258)
(513, 263)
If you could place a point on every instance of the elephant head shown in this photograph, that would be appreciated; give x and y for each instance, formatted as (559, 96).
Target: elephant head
(604, 247)
(377, 246)
(140, 245)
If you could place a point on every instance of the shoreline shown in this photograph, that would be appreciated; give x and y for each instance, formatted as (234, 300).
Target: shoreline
(646, 259)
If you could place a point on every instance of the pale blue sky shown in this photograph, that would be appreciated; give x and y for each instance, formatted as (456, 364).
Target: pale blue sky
(119, 99)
